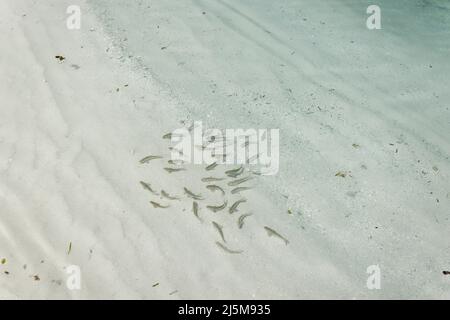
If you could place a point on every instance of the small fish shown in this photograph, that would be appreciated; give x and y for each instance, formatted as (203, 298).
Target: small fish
(235, 205)
(245, 144)
(155, 285)
(175, 162)
(171, 170)
(264, 135)
(271, 232)
(149, 158)
(168, 196)
(180, 152)
(239, 181)
(239, 189)
(195, 210)
(218, 208)
(147, 186)
(211, 166)
(241, 219)
(213, 187)
(221, 157)
(70, 248)
(216, 138)
(60, 58)
(157, 205)
(211, 179)
(193, 195)
(253, 158)
(219, 228)
(235, 175)
(235, 172)
(170, 135)
(200, 147)
(223, 247)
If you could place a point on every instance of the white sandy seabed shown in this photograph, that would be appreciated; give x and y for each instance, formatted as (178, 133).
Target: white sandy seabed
(371, 104)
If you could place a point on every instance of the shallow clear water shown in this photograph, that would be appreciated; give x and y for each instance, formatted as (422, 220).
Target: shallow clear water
(314, 70)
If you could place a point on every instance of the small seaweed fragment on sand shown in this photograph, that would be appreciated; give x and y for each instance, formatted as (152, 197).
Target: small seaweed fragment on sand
(173, 292)
(235, 172)
(239, 189)
(155, 285)
(341, 174)
(192, 195)
(195, 210)
(271, 232)
(239, 181)
(242, 218)
(36, 277)
(212, 179)
(218, 208)
(69, 250)
(211, 166)
(219, 229)
(147, 186)
(168, 196)
(213, 187)
(226, 249)
(3, 261)
(171, 170)
(147, 159)
(157, 205)
(235, 205)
